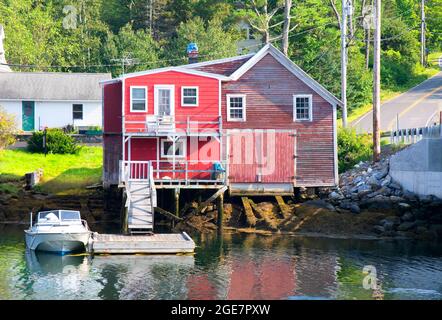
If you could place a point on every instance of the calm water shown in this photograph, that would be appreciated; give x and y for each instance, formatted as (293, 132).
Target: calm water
(235, 267)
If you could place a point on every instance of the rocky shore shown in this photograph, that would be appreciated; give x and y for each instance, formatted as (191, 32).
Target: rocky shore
(369, 187)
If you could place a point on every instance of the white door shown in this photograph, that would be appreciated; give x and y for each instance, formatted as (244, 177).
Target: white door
(164, 100)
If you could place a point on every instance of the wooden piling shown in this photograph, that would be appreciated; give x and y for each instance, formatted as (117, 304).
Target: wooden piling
(220, 207)
(177, 202)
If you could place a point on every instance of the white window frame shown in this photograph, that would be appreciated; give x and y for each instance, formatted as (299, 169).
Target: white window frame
(182, 96)
(170, 87)
(244, 107)
(310, 106)
(183, 140)
(145, 102)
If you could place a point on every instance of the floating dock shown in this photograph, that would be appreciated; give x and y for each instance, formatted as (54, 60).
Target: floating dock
(170, 243)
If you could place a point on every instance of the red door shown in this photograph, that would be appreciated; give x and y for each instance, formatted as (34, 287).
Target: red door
(261, 156)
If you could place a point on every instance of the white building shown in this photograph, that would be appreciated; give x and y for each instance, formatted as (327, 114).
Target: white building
(52, 100)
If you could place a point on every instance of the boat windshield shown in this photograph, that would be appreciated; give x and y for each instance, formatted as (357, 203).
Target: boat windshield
(48, 216)
(70, 215)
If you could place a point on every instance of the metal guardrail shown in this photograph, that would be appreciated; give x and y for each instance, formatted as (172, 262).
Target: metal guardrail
(413, 135)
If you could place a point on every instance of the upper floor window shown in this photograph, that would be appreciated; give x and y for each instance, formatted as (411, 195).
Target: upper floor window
(236, 107)
(77, 111)
(302, 107)
(189, 96)
(138, 99)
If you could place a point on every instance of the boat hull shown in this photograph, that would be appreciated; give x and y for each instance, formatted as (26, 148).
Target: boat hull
(56, 242)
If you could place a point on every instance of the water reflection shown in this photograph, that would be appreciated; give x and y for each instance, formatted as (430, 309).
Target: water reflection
(232, 267)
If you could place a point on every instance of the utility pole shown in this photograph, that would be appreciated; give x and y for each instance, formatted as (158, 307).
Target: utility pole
(423, 49)
(377, 81)
(344, 53)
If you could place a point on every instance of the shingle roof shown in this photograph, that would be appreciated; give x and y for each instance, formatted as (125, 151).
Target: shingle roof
(51, 86)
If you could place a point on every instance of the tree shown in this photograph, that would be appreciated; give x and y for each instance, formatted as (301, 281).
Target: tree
(7, 129)
(138, 46)
(212, 40)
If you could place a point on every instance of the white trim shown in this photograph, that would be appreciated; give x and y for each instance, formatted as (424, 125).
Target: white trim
(289, 65)
(145, 98)
(219, 99)
(170, 87)
(197, 96)
(180, 140)
(176, 69)
(310, 106)
(244, 105)
(335, 145)
(40, 100)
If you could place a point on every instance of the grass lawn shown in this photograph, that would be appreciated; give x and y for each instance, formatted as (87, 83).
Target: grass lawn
(388, 93)
(62, 174)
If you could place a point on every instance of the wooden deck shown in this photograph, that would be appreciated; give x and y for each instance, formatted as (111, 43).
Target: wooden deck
(171, 243)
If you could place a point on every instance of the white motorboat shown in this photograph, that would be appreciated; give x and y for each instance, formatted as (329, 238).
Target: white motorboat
(59, 231)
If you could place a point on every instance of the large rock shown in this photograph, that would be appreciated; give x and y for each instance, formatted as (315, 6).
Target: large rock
(364, 190)
(379, 229)
(378, 202)
(374, 182)
(410, 196)
(408, 216)
(336, 196)
(354, 208)
(381, 174)
(406, 226)
(386, 181)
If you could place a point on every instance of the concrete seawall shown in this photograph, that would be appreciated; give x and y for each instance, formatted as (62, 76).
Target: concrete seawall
(418, 168)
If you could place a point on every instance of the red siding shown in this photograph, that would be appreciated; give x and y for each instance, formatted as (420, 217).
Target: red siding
(112, 121)
(269, 155)
(208, 88)
(269, 89)
(112, 128)
(225, 68)
(145, 149)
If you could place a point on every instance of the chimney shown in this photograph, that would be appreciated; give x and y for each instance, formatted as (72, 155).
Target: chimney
(192, 52)
(3, 67)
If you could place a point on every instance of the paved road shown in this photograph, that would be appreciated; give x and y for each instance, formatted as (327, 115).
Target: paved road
(416, 108)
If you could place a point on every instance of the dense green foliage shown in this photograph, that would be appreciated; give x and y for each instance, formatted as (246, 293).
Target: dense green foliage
(7, 129)
(57, 142)
(154, 33)
(352, 148)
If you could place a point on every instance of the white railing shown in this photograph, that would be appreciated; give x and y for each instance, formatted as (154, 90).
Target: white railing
(413, 135)
(179, 171)
(154, 124)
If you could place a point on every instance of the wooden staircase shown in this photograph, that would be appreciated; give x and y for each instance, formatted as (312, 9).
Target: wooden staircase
(140, 207)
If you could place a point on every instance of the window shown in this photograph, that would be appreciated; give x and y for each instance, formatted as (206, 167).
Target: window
(236, 107)
(138, 99)
(302, 107)
(77, 111)
(167, 148)
(189, 96)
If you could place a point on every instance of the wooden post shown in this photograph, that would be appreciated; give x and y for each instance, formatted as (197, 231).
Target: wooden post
(377, 82)
(220, 207)
(177, 202)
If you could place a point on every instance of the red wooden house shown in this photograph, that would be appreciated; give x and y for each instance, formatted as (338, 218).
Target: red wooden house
(256, 123)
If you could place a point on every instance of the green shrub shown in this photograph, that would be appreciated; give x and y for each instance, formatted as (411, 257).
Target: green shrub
(353, 148)
(7, 129)
(57, 142)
